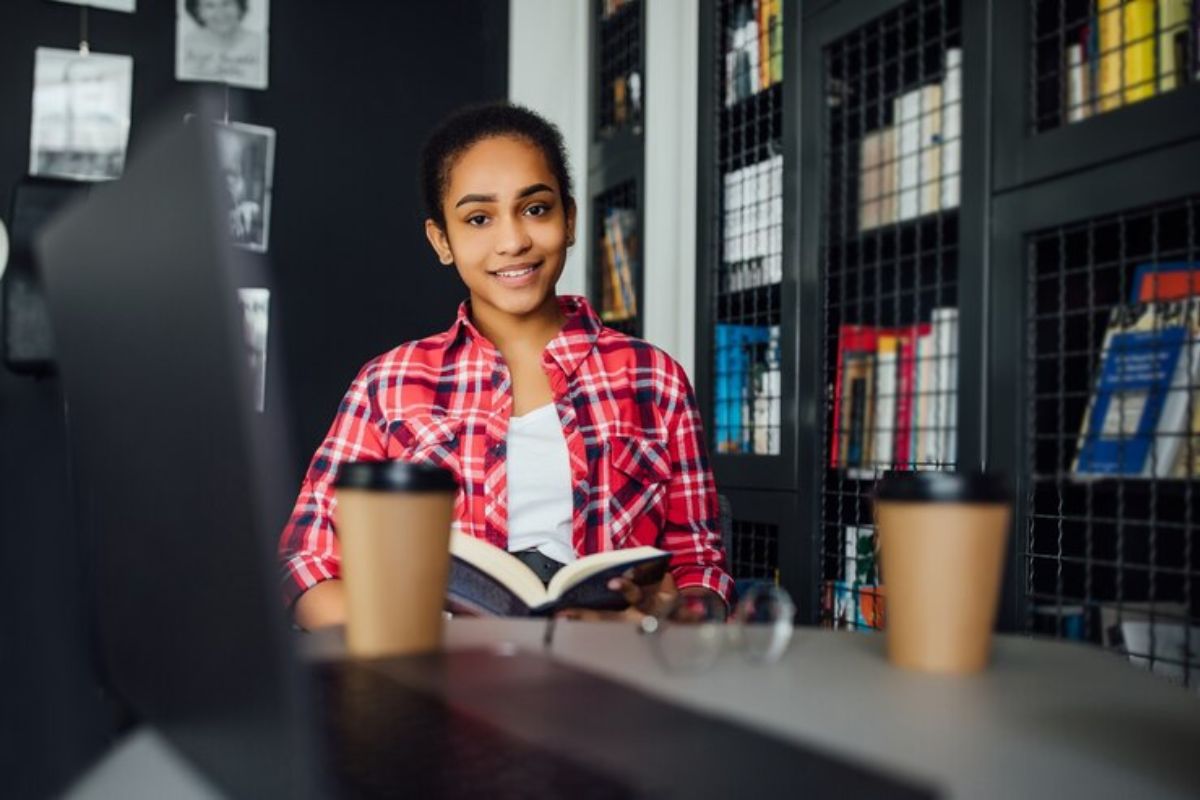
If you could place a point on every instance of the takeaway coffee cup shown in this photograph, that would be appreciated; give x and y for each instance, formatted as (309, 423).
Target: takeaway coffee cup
(393, 523)
(942, 539)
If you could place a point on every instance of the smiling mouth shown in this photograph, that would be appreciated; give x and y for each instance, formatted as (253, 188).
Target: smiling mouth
(516, 272)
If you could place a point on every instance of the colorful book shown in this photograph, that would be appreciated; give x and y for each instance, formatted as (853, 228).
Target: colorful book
(856, 354)
(945, 400)
(1139, 42)
(1109, 55)
(1161, 281)
(1137, 419)
(775, 25)
(907, 340)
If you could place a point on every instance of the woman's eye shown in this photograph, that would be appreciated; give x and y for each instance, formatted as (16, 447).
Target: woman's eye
(476, 220)
(537, 210)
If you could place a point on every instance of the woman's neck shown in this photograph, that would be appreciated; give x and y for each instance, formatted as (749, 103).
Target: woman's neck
(527, 333)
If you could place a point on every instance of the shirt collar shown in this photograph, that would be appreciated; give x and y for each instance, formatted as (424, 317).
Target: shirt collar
(568, 349)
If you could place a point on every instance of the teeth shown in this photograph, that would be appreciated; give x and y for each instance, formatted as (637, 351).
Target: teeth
(516, 273)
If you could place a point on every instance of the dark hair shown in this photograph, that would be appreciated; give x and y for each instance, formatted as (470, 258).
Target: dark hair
(193, 9)
(463, 129)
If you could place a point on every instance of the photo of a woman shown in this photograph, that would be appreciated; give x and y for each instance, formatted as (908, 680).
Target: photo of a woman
(223, 41)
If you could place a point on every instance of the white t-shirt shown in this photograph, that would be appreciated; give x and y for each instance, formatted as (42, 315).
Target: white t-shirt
(539, 485)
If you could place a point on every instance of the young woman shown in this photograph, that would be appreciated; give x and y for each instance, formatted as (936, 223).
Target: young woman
(567, 437)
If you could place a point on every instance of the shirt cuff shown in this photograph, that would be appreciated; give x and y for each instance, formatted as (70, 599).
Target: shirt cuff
(712, 578)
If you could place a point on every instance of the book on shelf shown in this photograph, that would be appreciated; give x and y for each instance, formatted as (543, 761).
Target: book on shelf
(1137, 421)
(489, 581)
(918, 163)
(1174, 44)
(1139, 42)
(950, 150)
(1079, 95)
(619, 292)
(894, 399)
(754, 58)
(1109, 54)
(1165, 280)
(877, 179)
(846, 606)
(748, 389)
(883, 432)
(859, 557)
(752, 241)
(851, 395)
(621, 224)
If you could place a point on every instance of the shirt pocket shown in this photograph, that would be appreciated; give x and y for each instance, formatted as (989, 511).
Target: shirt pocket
(640, 471)
(427, 439)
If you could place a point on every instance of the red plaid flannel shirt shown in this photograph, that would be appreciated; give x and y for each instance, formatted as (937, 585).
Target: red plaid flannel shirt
(639, 469)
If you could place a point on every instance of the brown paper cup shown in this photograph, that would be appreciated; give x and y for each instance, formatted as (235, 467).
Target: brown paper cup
(393, 524)
(942, 539)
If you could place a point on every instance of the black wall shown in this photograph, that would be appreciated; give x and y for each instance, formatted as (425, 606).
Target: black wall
(355, 87)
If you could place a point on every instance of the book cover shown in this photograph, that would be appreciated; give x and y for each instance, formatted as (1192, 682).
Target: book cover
(870, 180)
(1162, 281)
(735, 345)
(854, 341)
(762, 10)
(1140, 42)
(918, 122)
(488, 581)
(1133, 399)
(1109, 74)
(611, 307)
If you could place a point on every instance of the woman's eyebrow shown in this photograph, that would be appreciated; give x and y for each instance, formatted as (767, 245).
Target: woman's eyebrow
(491, 198)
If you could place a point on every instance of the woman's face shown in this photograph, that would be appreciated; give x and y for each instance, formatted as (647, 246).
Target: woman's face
(219, 16)
(507, 231)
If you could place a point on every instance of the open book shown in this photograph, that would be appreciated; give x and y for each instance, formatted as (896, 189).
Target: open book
(486, 580)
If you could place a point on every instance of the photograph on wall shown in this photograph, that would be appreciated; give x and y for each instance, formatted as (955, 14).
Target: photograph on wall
(246, 156)
(109, 5)
(256, 305)
(222, 41)
(81, 105)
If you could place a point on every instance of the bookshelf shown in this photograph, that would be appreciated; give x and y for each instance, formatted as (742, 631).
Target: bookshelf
(746, 291)
(616, 165)
(1032, 254)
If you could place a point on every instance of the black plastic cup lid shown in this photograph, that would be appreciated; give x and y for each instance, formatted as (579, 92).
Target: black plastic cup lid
(395, 476)
(943, 487)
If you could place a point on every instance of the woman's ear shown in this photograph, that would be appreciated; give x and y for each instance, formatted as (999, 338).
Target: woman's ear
(439, 242)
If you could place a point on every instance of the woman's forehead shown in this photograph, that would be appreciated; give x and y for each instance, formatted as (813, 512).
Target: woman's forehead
(499, 164)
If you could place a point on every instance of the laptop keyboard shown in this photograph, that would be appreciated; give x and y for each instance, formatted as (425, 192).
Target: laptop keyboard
(389, 740)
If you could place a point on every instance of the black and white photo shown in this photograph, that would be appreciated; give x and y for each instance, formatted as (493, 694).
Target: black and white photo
(81, 106)
(109, 5)
(222, 41)
(256, 306)
(246, 155)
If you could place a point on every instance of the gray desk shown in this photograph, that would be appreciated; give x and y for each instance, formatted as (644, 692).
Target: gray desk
(1047, 720)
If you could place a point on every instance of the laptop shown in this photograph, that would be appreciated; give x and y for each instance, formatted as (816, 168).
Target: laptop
(180, 488)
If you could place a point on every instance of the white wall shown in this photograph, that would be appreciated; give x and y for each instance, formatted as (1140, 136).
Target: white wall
(548, 71)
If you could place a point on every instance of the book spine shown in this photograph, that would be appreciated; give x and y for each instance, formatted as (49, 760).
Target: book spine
(761, 12)
(929, 176)
(870, 152)
(905, 380)
(1139, 40)
(1109, 24)
(837, 436)
(775, 21)
(1078, 100)
(951, 155)
(883, 433)
(1173, 18)
(906, 111)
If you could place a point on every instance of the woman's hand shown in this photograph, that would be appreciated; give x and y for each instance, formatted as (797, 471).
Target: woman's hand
(643, 600)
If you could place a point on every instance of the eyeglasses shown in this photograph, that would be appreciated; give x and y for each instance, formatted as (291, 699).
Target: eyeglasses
(690, 632)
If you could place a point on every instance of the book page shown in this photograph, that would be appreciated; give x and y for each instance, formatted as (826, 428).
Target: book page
(580, 570)
(520, 579)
